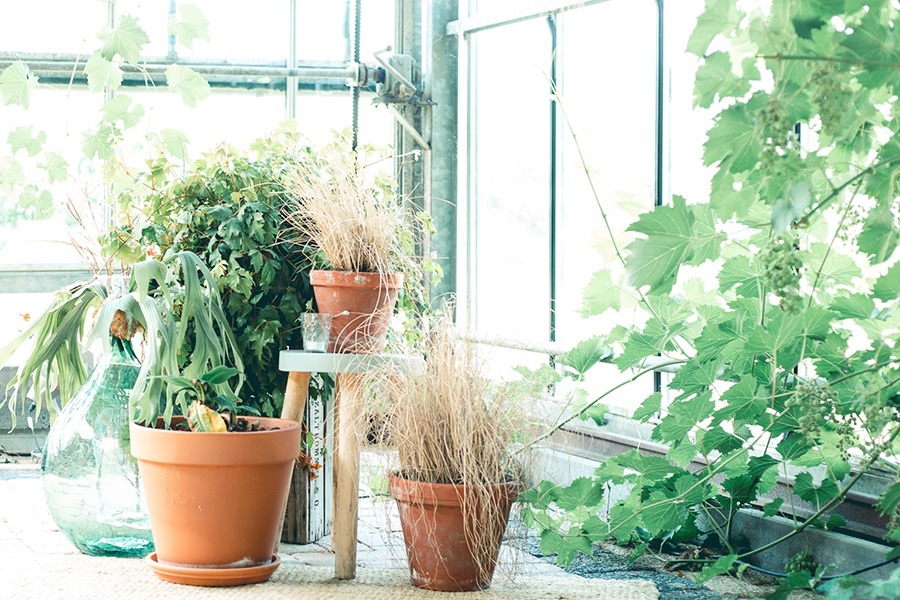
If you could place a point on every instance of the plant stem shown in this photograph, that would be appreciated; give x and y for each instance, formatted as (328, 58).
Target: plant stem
(832, 59)
(863, 469)
(837, 191)
(592, 403)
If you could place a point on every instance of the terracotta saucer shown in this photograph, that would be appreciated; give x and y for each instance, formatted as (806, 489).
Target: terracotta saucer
(213, 577)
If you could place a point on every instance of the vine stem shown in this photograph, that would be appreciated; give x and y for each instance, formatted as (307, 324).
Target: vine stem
(837, 191)
(828, 250)
(603, 214)
(581, 412)
(864, 468)
(832, 59)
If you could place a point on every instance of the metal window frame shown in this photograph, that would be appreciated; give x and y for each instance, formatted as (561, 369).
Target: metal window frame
(463, 29)
(289, 76)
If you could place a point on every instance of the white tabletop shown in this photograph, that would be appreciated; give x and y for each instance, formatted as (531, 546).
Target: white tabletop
(326, 362)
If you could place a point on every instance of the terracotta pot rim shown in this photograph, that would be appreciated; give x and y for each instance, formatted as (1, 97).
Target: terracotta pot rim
(286, 425)
(326, 277)
(424, 492)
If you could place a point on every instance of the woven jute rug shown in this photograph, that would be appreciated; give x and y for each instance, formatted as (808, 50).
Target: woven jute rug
(77, 577)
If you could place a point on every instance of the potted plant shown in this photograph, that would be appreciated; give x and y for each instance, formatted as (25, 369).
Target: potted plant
(457, 476)
(215, 487)
(360, 236)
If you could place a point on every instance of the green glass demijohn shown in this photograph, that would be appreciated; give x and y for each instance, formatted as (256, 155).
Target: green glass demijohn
(91, 481)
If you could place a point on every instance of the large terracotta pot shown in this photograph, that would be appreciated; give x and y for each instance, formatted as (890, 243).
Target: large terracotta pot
(433, 523)
(361, 305)
(216, 500)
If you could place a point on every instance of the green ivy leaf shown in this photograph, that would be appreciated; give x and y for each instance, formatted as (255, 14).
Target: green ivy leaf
(118, 108)
(583, 492)
(126, 40)
(805, 489)
(655, 260)
(600, 295)
(188, 83)
(189, 24)
(56, 166)
(22, 138)
(102, 73)
(16, 83)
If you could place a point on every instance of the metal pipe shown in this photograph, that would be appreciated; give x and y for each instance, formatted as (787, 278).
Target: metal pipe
(69, 63)
(409, 128)
(515, 15)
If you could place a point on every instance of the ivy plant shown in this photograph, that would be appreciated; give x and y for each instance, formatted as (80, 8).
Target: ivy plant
(778, 298)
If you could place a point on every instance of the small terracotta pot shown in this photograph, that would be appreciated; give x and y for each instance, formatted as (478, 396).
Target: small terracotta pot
(361, 305)
(216, 500)
(433, 522)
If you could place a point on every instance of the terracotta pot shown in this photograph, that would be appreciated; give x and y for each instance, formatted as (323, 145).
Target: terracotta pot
(361, 305)
(216, 500)
(433, 522)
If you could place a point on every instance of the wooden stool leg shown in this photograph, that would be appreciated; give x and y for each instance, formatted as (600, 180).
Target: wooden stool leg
(296, 514)
(346, 475)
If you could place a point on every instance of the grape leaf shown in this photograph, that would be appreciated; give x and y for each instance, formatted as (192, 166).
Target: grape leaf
(99, 143)
(887, 287)
(732, 141)
(188, 83)
(102, 73)
(584, 491)
(16, 83)
(648, 407)
(585, 355)
(40, 201)
(788, 210)
(56, 166)
(661, 513)
(879, 236)
(804, 487)
(126, 40)
(189, 24)
(716, 18)
(118, 108)
(716, 79)
(600, 295)
(566, 548)
(22, 138)
(655, 260)
(722, 565)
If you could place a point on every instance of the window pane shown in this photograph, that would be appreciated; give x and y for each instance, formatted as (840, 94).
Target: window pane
(235, 32)
(608, 55)
(47, 26)
(511, 154)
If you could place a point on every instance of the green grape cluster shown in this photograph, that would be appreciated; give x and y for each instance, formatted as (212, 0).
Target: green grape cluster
(815, 403)
(802, 562)
(783, 265)
(830, 93)
(778, 134)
